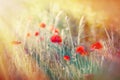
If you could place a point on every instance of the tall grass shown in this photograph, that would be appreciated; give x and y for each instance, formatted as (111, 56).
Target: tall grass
(50, 56)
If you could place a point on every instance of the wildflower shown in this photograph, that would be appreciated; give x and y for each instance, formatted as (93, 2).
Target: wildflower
(56, 39)
(81, 50)
(42, 25)
(16, 42)
(96, 45)
(36, 33)
(66, 57)
(54, 30)
(28, 35)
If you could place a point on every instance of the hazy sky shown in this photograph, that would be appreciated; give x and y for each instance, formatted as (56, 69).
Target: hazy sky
(10, 9)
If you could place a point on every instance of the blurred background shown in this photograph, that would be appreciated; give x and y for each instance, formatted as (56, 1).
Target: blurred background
(97, 13)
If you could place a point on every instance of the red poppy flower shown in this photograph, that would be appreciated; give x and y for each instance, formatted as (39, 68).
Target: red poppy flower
(42, 25)
(56, 39)
(96, 45)
(16, 42)
(36, 33)
(81, 50)
(66, 57)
